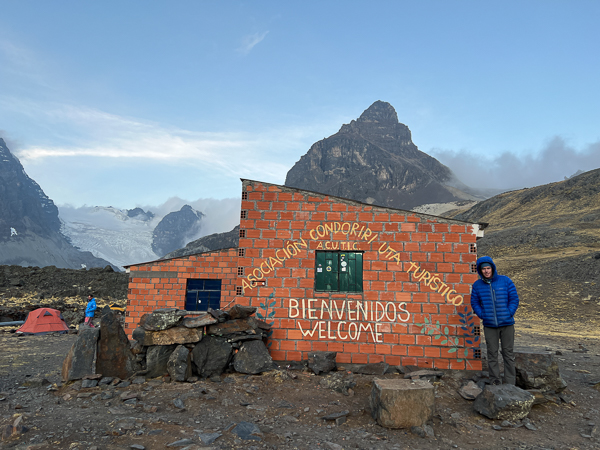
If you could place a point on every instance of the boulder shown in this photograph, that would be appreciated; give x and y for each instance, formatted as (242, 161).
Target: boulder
(241, 312)
(198, 321)
(179, 364)
(80, 359)
(211, 356)
(252, 357)
(402, 403)
(176, 335)
(114, 357)
(322, 362)
(161, 319)
(156, 360)
(504, 402)
(538, 370)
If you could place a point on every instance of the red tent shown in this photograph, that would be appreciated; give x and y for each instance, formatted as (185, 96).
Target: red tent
(44, 320)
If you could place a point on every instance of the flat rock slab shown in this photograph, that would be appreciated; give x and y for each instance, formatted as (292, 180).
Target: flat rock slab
(504, 402)
(425, 374)
(175, 335)
(241, 312)
(80, 359)
(368, 369)
(198, 322)
(402, 403)
(160, 319)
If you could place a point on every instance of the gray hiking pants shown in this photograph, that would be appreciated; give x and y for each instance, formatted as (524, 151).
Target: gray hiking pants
(493, 337)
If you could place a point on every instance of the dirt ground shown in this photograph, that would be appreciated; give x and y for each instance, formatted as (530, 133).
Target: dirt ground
(288, 410)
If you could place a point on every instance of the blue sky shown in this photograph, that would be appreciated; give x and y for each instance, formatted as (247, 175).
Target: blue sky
(133, 103)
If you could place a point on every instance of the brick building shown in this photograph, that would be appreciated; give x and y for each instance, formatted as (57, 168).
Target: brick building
(370, 283)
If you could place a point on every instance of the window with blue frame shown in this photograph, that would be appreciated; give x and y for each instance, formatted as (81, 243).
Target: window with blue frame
(202, 294)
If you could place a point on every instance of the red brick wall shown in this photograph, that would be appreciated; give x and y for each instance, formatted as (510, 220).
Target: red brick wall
(162, 284)
(417, 266)
(403, 254)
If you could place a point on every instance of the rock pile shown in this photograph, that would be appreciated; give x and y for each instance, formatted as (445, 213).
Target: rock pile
(167, 343)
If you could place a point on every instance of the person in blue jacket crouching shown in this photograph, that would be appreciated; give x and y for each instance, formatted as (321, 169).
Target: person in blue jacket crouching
(495, 300)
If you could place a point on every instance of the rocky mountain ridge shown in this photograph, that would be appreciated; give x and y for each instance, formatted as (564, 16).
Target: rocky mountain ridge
(29, 224)
(373, 160)
(547, 239)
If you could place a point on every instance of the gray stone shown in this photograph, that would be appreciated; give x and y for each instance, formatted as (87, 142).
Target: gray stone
(470, 391)
(157, 357)
(181, 443)
(253, 358)
(89, 383)
(424, 374)
(211, 356)
(504, 402)
(179, 364)
(137, 447)
(80, 359)
(209, 438)
(247, 431)
(241, 312)
(368, 369)
(175, 335)
(198, 321)
(402, 403)
(178, 403)
(322, 362)
(105, 380)
(418, 431)
(538, 370)
(161, 319)
(335, 416)
(114, 357)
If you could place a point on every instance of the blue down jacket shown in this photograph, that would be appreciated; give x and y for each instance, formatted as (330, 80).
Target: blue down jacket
(495, 301)
(91, 308)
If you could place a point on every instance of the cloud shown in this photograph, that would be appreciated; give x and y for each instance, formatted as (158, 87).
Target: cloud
(250, 41)
(105, 135)
(555, 161)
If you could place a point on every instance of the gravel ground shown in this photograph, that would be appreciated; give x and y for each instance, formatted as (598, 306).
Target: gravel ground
(286, 406)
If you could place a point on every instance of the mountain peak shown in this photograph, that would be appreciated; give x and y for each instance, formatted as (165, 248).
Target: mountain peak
(379, 112)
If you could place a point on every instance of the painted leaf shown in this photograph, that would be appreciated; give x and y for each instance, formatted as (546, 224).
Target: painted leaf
(466, 352)
(262, 305)
(437, 336)
(459, 360)
(272, 303)
(426, 320)
(456, 341)
(452, 350)
(271, 295)
(271, 314)
(476, 339)
(444, 341)
(446, 330)
(469, 341)
(461, 315)
(437, 322)
(260, 316)
(430, 332)
(269, 344)
(464, 329)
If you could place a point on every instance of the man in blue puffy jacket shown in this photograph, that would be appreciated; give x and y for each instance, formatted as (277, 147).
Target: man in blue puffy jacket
(495, 301)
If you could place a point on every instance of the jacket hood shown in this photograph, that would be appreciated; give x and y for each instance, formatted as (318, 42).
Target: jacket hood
(490, 261)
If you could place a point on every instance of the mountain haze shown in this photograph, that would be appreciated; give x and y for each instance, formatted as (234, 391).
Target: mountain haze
(373, 160)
